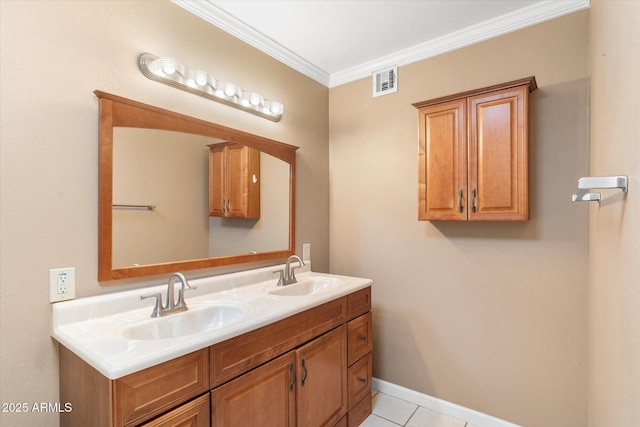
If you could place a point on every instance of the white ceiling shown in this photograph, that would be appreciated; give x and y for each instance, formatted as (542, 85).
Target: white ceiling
(335, 42)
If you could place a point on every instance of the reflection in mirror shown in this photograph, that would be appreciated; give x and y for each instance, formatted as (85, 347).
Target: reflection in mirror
(153, 168)
(155, 158)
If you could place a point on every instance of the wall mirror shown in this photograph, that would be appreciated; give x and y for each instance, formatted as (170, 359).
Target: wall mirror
(154, 194)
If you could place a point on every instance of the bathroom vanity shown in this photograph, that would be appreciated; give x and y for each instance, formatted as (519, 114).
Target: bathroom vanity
(246, 352)
(275, 355)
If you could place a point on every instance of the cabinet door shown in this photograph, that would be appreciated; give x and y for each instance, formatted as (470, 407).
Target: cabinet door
(217, 181)
(243, 186)
(322, 379)
(263, 397)
(442, 168)
(498, 155)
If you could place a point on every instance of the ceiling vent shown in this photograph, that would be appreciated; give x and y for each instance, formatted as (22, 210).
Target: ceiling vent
(385, 81)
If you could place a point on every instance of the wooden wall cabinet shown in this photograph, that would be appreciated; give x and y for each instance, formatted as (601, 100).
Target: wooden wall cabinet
(234, 181)
(473, 158)
(309, 369)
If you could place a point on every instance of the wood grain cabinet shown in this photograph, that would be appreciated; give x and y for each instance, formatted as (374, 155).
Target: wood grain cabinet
(473, 158)
(304, 387)
(359, 371)
(136, 398)
(310, 369)
(191, 414)
(234, 181)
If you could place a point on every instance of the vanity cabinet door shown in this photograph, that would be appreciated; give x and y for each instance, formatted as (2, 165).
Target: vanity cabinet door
(322, 379)
(263, 397)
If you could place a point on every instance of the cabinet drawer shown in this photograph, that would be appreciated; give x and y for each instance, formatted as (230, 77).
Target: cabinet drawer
(360, 412)
(238, 355)
(145, 394)
(358, 303)
(359, 337)
(359, 380)
(192, 414)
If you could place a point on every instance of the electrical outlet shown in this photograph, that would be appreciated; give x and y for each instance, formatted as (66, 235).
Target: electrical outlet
(306, 251)
(62, 284)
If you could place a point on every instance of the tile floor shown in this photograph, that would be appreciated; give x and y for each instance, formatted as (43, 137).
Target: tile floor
(389, 411)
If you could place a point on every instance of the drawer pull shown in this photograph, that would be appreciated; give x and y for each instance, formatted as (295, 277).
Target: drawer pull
(363, 337)
(362, 380)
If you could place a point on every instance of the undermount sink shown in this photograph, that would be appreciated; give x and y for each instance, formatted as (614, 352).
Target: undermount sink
(199, 318)
(309, 286)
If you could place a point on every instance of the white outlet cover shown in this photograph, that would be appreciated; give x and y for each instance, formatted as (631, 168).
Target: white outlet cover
(70, 282)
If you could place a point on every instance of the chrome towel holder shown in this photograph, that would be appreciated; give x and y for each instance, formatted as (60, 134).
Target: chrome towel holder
(598, 182)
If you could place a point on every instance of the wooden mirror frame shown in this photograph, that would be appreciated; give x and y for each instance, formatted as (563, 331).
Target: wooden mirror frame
(118, 111)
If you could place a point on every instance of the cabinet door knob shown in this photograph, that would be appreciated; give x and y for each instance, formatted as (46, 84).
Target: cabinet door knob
(362, 380)
(363, 337)
(460, 208)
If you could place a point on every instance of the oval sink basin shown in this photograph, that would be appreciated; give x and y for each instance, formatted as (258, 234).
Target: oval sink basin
(310, 286)
(199, 318)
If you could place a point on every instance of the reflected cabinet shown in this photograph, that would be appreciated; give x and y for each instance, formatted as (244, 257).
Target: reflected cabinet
(234, 181)
(473, 158)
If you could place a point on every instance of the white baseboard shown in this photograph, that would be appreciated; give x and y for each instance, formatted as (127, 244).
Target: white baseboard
(456, 411)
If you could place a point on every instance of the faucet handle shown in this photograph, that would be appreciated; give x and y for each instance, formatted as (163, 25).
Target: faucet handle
(292, 269)
(181, 292)
(281, 277)
(157, 309)
(292, 275)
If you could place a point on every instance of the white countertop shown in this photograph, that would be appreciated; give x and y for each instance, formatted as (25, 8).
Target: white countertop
(92, 327)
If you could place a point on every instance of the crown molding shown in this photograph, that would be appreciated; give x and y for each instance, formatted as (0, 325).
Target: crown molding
(504, 24)
(226, 22)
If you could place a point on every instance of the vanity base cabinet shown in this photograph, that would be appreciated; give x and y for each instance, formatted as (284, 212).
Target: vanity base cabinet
(304, 387)
(310, 369)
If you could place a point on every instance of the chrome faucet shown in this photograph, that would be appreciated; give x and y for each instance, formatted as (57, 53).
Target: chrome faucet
(171, 306)
(288, 275)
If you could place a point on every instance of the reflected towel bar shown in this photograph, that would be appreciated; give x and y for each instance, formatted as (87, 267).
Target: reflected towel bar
(599, 182)
(146, 207)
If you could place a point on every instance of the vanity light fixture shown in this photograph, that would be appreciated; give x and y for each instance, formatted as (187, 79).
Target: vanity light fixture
(171, 72)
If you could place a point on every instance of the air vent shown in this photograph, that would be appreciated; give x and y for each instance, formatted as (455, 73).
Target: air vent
(385, 81)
